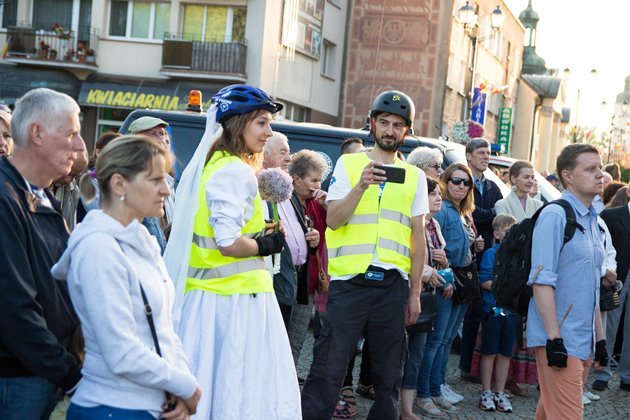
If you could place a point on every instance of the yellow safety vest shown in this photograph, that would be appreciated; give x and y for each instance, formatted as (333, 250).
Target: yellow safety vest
(377, 225)
(210, 271)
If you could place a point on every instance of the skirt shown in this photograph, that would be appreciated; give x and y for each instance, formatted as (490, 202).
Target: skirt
(237, 348)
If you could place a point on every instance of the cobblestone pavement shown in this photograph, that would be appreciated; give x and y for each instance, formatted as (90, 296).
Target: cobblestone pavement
(614, 403)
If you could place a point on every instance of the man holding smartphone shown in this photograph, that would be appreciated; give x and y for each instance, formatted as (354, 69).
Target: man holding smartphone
(376, 248)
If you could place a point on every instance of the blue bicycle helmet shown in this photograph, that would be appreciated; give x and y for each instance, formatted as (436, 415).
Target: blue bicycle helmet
(241, 99)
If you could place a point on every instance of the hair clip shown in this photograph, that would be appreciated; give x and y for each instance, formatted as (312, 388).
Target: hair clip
(92, 173)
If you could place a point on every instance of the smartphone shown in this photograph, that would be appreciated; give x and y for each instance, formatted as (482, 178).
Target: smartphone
(393, 173)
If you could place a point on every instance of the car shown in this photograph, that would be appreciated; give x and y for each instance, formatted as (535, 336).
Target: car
(186, 130)
(547, 191)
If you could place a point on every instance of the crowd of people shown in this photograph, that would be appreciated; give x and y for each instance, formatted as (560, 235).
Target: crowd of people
(124, 295)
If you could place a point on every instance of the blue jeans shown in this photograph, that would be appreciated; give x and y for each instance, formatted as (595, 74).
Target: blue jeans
(412, 367)
(28, 397)
(428, 367)
(457, 316)
(105, 412)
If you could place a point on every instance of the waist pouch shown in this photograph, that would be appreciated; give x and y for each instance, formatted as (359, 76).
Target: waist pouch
(376, 277)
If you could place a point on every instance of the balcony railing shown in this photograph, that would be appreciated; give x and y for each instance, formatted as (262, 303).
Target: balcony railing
(227, 58)
(53, 44)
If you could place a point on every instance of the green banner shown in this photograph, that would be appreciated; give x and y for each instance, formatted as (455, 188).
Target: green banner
(504, 128)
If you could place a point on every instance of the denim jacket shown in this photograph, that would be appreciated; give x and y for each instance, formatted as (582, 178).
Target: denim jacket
(454, 234)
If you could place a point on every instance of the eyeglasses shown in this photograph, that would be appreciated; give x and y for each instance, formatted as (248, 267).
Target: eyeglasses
(437, 166)
(459, 181)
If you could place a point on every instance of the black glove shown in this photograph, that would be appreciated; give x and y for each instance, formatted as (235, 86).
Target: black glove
(556, 353)
(270, 244)
(601, 355)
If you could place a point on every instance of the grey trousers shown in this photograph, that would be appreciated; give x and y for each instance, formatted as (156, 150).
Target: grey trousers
(298, 327)
(612, 324)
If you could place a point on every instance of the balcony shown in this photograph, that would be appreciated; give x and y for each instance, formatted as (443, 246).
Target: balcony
(203, 60)
(53, 46)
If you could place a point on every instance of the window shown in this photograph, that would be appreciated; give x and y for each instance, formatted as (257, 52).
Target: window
(328, 59)
(8, 11)
(138, 19)
(214, 23)
(110, 119)
(295, 112)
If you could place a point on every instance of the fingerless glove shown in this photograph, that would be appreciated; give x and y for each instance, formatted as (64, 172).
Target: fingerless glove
(270, 244)
(556, 353)
(601, 354)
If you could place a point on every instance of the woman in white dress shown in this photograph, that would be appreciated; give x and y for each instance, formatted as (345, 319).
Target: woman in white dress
(230, 322)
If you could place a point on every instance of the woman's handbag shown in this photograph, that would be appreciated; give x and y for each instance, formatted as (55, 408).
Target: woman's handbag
(428, 310)
(466, 284)
(322, 279)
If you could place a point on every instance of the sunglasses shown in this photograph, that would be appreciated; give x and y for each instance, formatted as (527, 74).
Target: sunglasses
(459, 181)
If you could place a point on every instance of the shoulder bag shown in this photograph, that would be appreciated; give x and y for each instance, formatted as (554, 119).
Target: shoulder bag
(428, 307)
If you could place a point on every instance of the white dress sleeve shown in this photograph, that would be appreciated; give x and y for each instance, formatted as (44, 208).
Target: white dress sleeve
(230, 197)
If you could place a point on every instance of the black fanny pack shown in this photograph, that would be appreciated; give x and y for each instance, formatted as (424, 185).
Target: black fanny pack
(376, 277)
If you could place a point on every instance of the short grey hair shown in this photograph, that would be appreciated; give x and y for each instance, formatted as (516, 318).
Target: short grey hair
(476, 143)
(277, 136)
(40, 105)
(422, 157)
(306, 161)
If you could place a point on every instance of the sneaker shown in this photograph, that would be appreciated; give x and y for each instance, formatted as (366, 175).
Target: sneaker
(486, 402)
(447, 388)
(502, 402)
(448, 396)
(366, 391)
(591, 396)
(585, 400)
(599, 385)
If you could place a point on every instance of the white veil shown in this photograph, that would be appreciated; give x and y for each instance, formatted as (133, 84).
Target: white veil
(177, 253)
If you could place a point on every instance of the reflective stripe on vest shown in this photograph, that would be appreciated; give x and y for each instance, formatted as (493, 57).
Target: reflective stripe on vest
(208, 269)
(227, 270)
(380, 228)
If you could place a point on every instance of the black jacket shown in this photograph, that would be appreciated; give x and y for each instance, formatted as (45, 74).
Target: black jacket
(37, 320)
(484, 211)
(618, 222)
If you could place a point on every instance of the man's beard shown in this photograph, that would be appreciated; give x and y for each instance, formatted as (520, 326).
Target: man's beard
(388, 147)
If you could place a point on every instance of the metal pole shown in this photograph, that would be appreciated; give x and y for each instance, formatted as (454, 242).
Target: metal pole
(471, 94)
(577, 112)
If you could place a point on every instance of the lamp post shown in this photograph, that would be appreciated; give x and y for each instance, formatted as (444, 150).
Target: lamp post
(468, 16)
(566, 74)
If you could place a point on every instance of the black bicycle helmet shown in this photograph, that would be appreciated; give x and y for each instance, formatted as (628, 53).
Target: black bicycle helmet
(241, 99)
(394, 102)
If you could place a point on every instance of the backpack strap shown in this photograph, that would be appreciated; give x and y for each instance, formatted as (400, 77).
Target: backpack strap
(572, 224)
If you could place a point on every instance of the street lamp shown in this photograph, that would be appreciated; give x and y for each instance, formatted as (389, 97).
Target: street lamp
(468, 16)
(566, 74)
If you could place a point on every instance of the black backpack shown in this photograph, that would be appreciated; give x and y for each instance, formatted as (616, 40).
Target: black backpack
(512, 262)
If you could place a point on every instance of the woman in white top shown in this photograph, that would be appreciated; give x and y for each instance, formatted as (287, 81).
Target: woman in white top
(518, 203)
(112, 265)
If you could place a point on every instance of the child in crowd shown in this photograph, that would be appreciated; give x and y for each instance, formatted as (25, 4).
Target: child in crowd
(498, 332)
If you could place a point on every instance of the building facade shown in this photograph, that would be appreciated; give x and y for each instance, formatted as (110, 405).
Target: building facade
(114, 56)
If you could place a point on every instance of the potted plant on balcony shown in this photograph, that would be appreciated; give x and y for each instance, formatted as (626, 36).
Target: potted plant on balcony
(42, 53)
(52, 54)
(69, 55)
(62, 32)
(89, 56)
